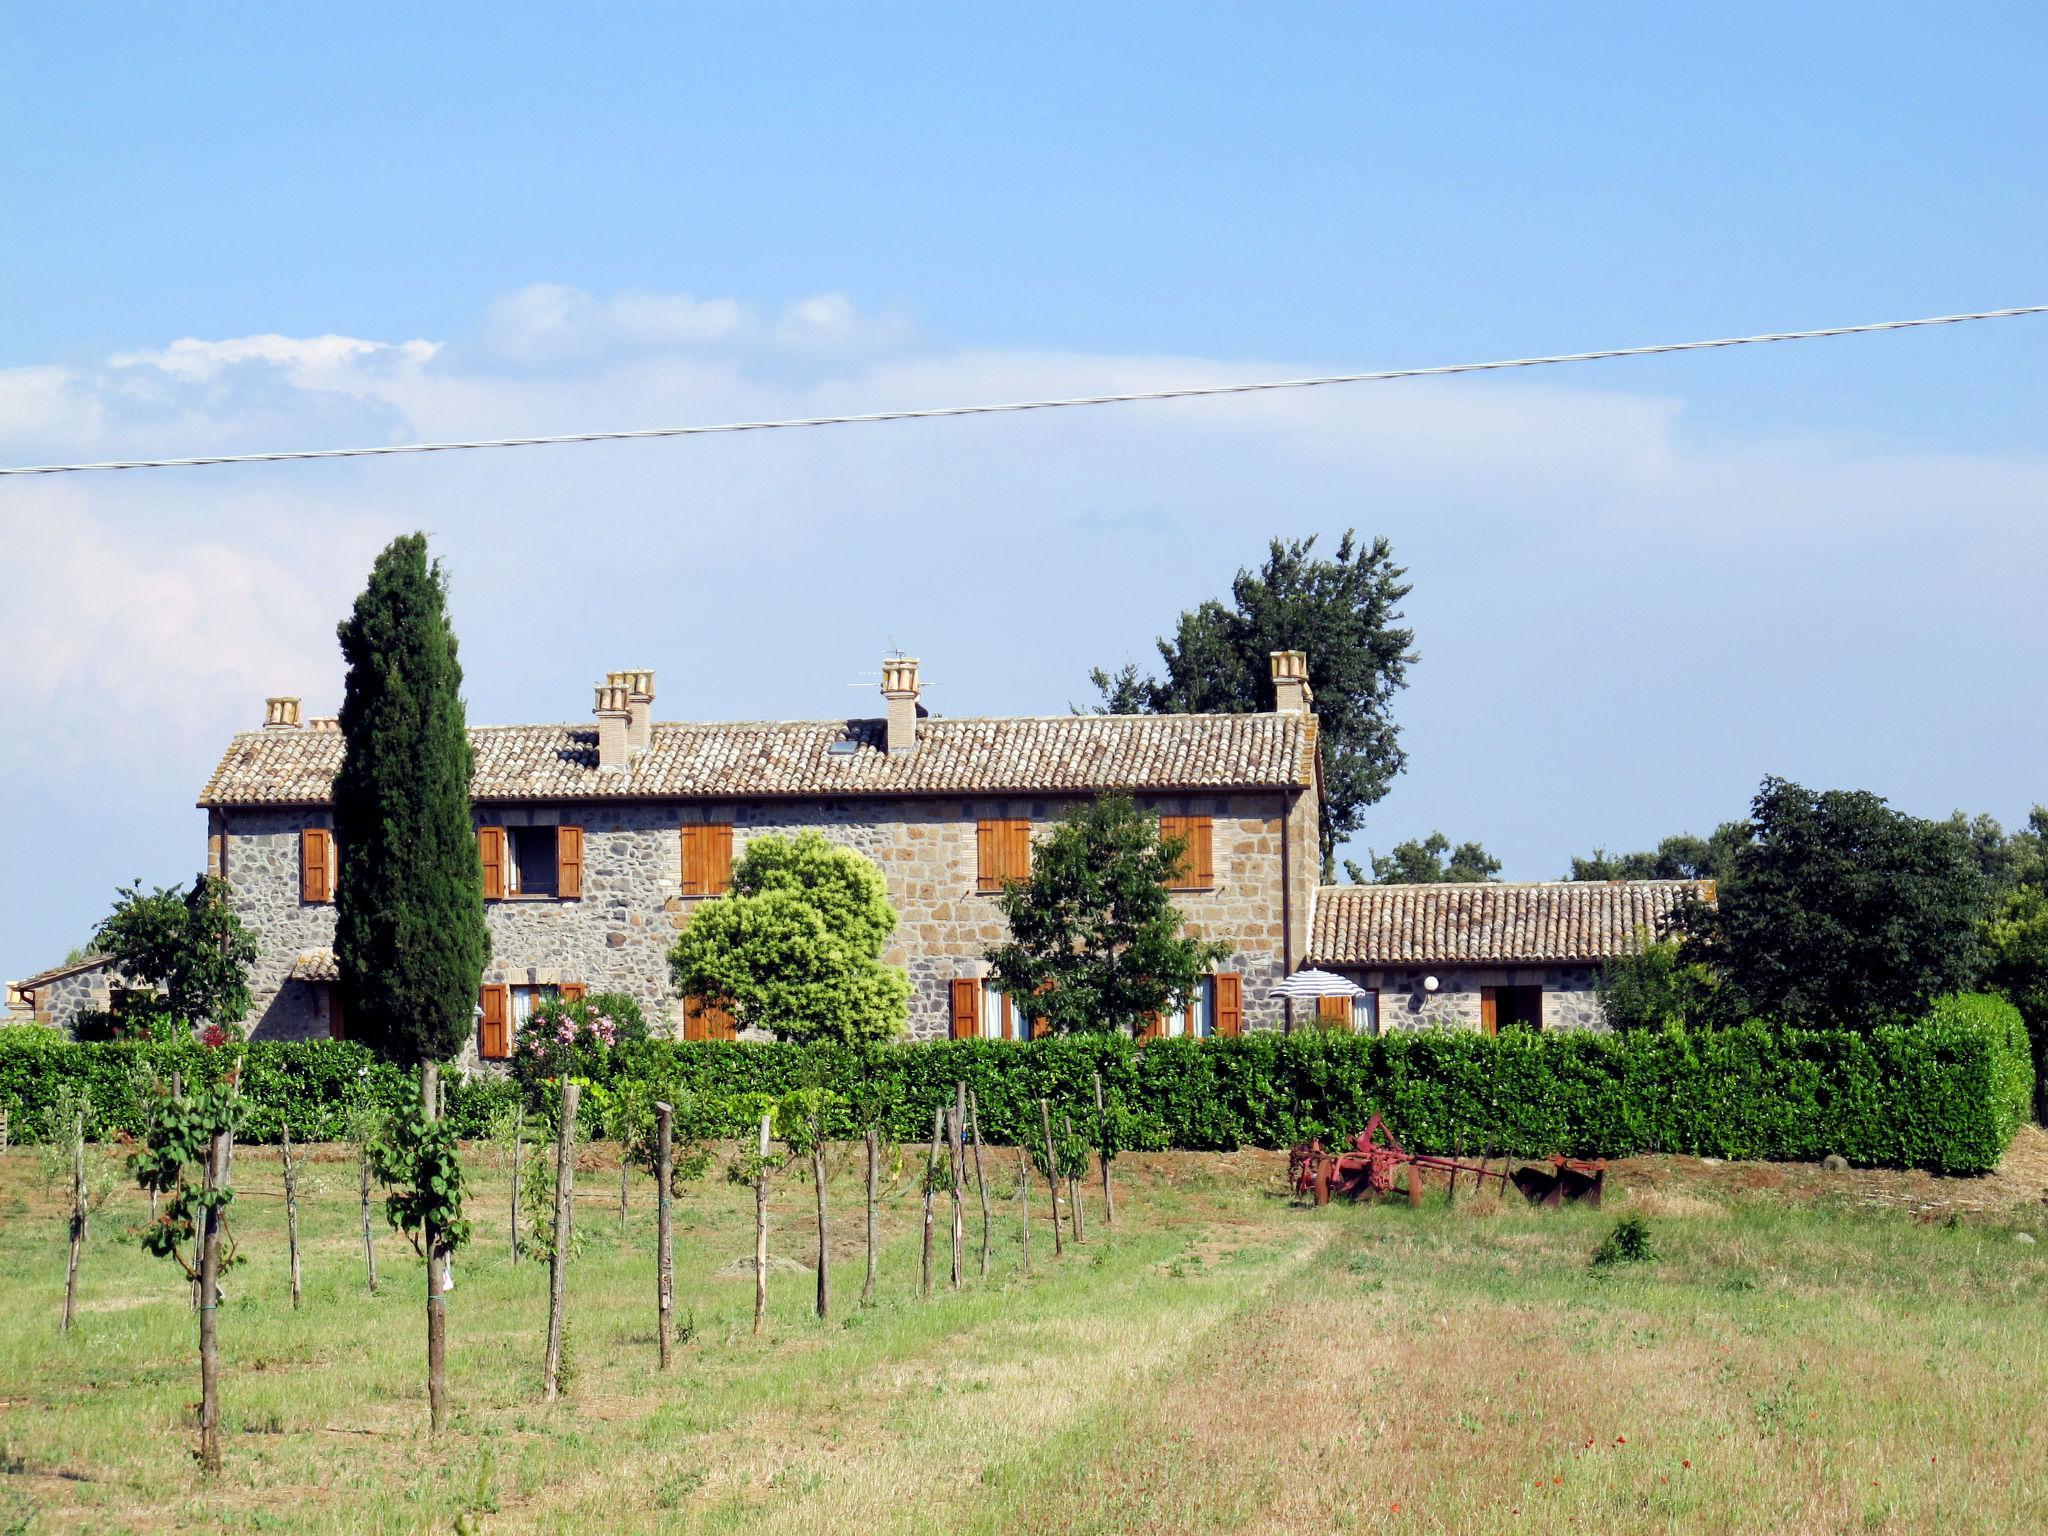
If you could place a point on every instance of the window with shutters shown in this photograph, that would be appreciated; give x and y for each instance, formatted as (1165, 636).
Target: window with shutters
(316, 865)
(1216, 1008)
(526, 999)
(1196, 869)
(707, 1021)
(1510, 1008)
(1360, 1014)
(1002, 853)
(530, 862)
(707, 859)
(1000, 1018)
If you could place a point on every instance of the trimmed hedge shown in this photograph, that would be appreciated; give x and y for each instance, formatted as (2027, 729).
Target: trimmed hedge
(1945, 1094)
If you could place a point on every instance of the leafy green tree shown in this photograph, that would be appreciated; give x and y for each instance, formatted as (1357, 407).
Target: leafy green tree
(1683, 857)
(409, 909)
(1430, 861)
(1840, 911)
(1653, 986)
(2016, 963)
(1344, 612)
(1095, 939)
(2008, 861)
(191, 947)
(796, 947)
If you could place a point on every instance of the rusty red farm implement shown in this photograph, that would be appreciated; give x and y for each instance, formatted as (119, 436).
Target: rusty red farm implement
(1369, 1167)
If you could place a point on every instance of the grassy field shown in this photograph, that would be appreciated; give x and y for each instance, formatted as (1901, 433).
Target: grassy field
(1802, 1353)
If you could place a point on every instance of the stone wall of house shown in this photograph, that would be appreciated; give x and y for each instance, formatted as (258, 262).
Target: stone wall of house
(61, 1000)
(1571, 999)
(616, 938)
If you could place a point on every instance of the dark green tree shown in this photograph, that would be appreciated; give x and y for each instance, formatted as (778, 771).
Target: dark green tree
(1840, 911)
(2011, 861)
(1430, 861)
(1345, 613)
(2016, 963)
(409, 910)
(189, 946)
(1095, 939)
(1683, 857)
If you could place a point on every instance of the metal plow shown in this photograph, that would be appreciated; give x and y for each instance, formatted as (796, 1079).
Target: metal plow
(1375, 1161)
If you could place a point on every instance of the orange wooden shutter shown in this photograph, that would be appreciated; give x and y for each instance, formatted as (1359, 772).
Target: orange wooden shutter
(1017, 850)
(569, 863)
(966, 1008)
(1334, 1011)
(316, 864)
(1229, 1003)
(1199, 868)
(988, 856)
(1170, 828)
(1153, 1027)
(494, 1033)
(693, 1017)
(490, 844)
(572, 991)
(707, 1021)
(1489, 1010)
(707, 859)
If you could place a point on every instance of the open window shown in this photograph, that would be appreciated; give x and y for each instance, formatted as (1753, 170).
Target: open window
(531, 862)
(1215, 1008)
(1519, 1007)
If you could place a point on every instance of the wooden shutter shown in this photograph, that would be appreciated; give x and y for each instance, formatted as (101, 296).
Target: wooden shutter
(1334, 1012)
(1196, 869)
(1017, 850)
(1229, 1003)
(494, 1030)
(316, 864)
(988, 856)
(572, 991)
(336, 1028)
(1153, 1027)
(707, 859)
(490, 845)
(707, 1021)
(966, 1008)
(1489, 1010)
(569, 863)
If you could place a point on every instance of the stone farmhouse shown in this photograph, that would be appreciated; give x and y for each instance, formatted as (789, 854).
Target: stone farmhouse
(598, 839)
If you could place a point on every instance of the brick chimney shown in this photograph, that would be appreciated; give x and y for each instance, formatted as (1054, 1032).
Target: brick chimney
(899, 687)
(280, 714)
(614, 715)
(1291, 692)
(324, 723)
(639, 685)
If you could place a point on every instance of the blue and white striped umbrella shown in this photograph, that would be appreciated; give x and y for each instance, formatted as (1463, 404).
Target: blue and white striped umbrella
(1314, 983)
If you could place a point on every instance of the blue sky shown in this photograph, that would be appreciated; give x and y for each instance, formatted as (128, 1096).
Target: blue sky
(1639, 587)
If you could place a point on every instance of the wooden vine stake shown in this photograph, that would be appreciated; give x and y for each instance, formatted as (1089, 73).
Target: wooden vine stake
(867, 1290)
(818, 1182)
(369, 1236)
(1024, 1207)
(980, 1182)
(1102, 1149)
(565, 1221)
(1052, 1178)
(77, 1219)
(434, 1243)
(761, 1226)
(931, 1169)
(1073, 1185)
(955, 1142)
(664, 1232)
(291, 1213)
(219, 1156)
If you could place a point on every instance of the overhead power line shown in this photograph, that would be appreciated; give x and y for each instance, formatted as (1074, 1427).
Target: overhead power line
(931, 413)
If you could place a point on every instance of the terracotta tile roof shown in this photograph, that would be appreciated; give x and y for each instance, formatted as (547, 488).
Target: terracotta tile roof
(91, 962)
(1554, 922)
(1074, 753)
(315, 965)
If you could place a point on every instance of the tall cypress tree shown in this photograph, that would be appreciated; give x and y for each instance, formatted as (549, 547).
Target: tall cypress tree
(409, 909)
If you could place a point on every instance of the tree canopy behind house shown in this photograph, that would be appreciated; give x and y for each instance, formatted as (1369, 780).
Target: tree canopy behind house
(1837, 910)
(795, 947)
(1682, 857)
(1344, 613)
(189, 945)
(1096, 943)
(409, 908)
(1427, 861)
